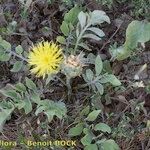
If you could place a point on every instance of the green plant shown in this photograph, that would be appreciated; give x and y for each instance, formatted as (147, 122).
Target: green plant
(96, 80)
(137, 32)
(140, 8)
(123, 129)
(74, 39)
(92, 133)
(108, 3)
(67, 28)
(25, 4)
(7, 53)
(86, 28)
(28, 97)
(22, 97)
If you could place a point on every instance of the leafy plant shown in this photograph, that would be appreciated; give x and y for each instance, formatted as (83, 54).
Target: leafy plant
(22, 97)
(86, 28)
(97, 79)
(137, 32)
(92, 133)
(108, 3)
(51, 109)
(140, 8)
(25, 5)
(67, 26)
(77, 27)
(4, 50)
(15, 57)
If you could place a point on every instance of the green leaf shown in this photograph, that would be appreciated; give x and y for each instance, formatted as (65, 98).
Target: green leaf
(91, 57)
(96, 31)
(2, 51)
(28, 106)
(35, 97)
(102, 127)
(107, 66)
(6, 45)
(92, 36)
(65, 28)
(50, 109)
(17, 66)
(1, 38)
(25, 54)
(5, 57)
(30, 84)
(100, 88)
(110, 145)
(72, 15)
(61, 39)
(87, 130)
(50, 114)
(91, 147)
(19, 49)
(20, 87)
(43, 105)
(10, 93)
(85, 111)
(98, 17)
(89, 74)
(98, 65)
(86, 140)
(6, 108)
(85, 46)
(93, 115)
(82, 19)
(111, 79)
(19, 103)
(137, 32)
(60, 109)
(119, 53)
(77, 130)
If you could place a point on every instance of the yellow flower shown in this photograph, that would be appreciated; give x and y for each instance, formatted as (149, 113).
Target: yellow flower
(45, 58)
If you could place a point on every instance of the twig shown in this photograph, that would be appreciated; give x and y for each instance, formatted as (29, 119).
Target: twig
(5, 136)
(110, 38)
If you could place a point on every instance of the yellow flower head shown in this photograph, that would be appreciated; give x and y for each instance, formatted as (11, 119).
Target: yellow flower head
(45, 58)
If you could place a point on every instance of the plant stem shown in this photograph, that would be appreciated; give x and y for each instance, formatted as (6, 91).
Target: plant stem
(60, 80)
(68, 83)
(89, 83)
(13, 53)
(80, 36)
